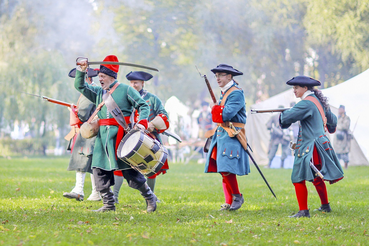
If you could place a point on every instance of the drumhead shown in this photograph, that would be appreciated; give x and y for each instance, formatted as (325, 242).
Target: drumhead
(130, 142)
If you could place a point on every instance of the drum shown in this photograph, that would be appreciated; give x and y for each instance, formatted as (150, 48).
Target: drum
(142, 153)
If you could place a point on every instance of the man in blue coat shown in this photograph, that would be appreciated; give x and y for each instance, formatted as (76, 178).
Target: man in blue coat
(226, 154)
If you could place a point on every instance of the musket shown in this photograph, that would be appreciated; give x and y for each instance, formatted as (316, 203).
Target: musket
(236, 134)
(258, 111)
(209, 86)
(115, 63)
(53, 100)
(256, 165)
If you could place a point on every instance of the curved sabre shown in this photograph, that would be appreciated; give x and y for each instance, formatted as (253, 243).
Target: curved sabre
(121, 63)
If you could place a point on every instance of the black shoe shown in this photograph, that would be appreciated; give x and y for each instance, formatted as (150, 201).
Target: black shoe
(237, 202)
(301, 213)
(149, 196)
(325, 208)
(72, 195)
(108, 201)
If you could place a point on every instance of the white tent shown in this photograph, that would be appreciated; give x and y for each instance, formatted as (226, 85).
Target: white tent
(353, 93)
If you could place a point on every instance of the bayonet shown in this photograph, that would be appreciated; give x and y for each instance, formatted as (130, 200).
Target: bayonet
(53, 100)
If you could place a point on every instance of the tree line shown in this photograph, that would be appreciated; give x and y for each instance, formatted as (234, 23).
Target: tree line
(269, 41)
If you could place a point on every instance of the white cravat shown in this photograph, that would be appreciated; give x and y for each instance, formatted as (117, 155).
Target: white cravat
(307, 93)
(227, 86)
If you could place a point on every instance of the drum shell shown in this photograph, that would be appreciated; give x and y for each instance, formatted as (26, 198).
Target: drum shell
(146, 156)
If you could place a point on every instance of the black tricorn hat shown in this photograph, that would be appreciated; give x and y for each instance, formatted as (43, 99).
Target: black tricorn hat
(303, 81)
(90, 72)
(224, 68)
(139, 75)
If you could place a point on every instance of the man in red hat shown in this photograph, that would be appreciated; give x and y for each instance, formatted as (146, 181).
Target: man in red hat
(158, 123)
(110, 132)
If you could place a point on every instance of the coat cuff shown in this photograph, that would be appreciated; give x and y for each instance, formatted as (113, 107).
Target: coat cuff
(160, 123)
(143, 122)
(216, 113)
(73, 118)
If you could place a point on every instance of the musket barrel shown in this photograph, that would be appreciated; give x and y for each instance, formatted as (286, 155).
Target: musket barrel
(258, 111)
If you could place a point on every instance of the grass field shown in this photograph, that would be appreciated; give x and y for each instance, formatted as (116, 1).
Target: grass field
(34, 212)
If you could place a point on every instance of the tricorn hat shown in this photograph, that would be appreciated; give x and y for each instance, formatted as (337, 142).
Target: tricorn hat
(224, 68)
(303, 81)
(110, 69)
(90, 72)
(139, 75)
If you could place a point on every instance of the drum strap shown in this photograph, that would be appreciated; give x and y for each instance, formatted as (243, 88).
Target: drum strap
(114, 109)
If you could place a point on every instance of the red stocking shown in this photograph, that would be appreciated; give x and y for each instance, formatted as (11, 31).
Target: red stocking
(302, 195)
(321, 189)
(231, 180)
(227, 193)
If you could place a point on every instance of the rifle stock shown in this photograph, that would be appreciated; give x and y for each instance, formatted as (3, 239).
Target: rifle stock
(59, 102)
(53, 100)
(258, 111)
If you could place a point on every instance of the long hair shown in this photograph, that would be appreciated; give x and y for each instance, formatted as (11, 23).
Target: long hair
(323, 99)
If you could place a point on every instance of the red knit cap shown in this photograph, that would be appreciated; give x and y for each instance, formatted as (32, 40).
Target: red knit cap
(110, 69)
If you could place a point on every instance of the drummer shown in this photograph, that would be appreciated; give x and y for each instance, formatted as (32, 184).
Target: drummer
(110, 132)
(158, 123)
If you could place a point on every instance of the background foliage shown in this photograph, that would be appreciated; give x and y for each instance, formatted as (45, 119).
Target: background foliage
(270, 41)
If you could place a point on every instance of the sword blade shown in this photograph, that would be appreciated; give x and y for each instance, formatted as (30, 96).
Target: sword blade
(261, 174)
(122, 64)
(173, 135)
(317, 172)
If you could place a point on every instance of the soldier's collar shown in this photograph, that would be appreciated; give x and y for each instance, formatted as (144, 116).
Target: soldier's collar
(227, 86)
(307, 93)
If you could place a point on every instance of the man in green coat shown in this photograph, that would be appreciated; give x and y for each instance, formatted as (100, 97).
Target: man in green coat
(110, 132)
(313, 146)
(158, 123)
(80, 147)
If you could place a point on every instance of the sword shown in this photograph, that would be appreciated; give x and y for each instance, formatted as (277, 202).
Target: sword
(257, 167)
(173, 135)
(115, 63)
(317, 172)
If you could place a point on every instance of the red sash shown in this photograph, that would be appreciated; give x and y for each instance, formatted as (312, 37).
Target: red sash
(120, 134)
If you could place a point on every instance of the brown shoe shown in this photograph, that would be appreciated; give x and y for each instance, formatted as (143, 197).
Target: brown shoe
(72, 195)
(225, 206)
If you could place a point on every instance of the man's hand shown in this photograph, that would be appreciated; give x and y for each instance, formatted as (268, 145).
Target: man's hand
(150, 127)
(82, 65)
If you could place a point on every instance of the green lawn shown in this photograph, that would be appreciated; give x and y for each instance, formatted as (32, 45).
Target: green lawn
(34, 212)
